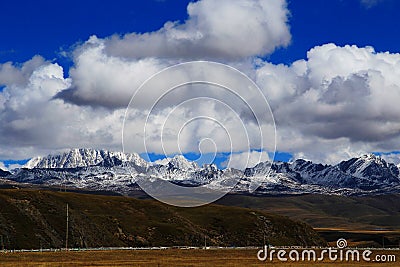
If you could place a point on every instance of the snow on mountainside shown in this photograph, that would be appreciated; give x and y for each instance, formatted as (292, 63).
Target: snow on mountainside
(371, 166)
(84, 157)
(183, 171)
(117, 171)
(179, 162)
(4, 173)
(368, 172)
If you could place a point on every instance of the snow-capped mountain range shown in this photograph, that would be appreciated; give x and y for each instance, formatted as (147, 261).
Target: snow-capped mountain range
(77, 158)
(117, 171)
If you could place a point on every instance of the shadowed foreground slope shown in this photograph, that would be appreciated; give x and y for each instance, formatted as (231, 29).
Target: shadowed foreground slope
(37, 218)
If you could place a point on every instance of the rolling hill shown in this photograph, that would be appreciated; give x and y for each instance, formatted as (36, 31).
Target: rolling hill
(37, 218)
(363, 220)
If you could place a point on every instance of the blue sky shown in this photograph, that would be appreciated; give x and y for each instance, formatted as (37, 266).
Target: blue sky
(341, 22)
(44, 28)
(60, 32)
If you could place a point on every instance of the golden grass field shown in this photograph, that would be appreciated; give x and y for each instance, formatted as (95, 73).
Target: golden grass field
(169, 257)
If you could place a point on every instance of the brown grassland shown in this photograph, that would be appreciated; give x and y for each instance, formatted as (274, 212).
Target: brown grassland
(169, 257)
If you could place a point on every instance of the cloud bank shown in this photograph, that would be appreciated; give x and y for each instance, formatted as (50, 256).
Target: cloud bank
(221, 29)
(339, 97)
(247, 159)
(340, 101)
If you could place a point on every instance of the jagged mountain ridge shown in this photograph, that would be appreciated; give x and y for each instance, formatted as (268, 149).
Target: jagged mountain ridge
(84, 157)
(4, 173)
(117, 171)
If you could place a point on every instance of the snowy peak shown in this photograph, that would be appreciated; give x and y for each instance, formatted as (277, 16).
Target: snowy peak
(179, 162)
(370, 166)
(211, 167)
(83, 157)
(261, 169)
(33, 162)
(371, 157)
(308, 166)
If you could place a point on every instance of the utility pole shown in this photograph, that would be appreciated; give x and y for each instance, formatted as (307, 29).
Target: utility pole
(66, 233)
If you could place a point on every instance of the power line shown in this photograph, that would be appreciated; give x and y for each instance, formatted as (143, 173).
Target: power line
(66, 233)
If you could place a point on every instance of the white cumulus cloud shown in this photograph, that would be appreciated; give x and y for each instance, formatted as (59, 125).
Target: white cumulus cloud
(214, 29)
(339, 102)
(246, 159)
(338, 98)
